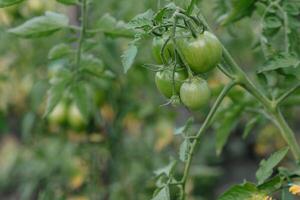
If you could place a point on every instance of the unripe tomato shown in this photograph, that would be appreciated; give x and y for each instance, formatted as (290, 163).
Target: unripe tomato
(75, 118)
(58, 114)
(195, 93)
(157, 44)
(202, 53)
(164, 81)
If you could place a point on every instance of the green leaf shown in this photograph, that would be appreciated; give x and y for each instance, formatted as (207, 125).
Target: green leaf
(246, 191)
(167, 170)
(59, 51)
(184, 150)
(185, 127)
(240, 9)
(280, 61)
(110, 26)
(159, 16)
(41, 26)
(92, 65)
(81, 98)
(272, 22)
(55, 94)
(226, 124)
(266, 166)
(143, 20)
(163, 194)
(129, 55)
(271, 185)
(250, 125)
(6, 3)
(68, 2)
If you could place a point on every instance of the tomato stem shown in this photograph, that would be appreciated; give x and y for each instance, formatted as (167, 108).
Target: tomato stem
(82, 33)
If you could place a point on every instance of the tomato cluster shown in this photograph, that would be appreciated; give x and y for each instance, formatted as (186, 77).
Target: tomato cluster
(201, 54)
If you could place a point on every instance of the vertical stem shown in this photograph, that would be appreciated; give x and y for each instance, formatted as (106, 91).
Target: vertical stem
(287, 133)
(82, 32)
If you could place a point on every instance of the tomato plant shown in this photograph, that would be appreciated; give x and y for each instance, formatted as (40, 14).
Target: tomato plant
(200, 65)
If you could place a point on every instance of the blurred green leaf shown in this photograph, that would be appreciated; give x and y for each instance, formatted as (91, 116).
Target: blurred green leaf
(226, 124)
(240, 9)
(143, 20)
(110, 26)
(82, 99)
(272, 22)
(266, 166)
(163, 194)
(167, 170)
(41, 26)
(59, 51)
(279, 61)
(6, 3)
(94, 66)
(129, 55)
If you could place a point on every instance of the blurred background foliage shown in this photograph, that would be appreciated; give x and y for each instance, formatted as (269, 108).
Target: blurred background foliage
(113, 155)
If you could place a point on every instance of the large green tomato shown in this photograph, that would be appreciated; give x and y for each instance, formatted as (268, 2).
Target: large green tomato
(164, 81)
(202, 53)
(195, 93)
(157, 45)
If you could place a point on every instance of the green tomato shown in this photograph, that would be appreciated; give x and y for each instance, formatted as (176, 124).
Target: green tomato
(195, 93)
(75, 118)
(202, 53)
(58, 114)
(157, 45)
(164, 81)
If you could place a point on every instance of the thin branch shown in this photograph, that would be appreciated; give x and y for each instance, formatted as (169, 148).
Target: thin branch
(82, 33)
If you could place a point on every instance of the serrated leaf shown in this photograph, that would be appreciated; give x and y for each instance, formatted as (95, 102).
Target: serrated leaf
(92, 65)
(167, 170)
(266, 166)
(6, 3)
(143, 20)
(81, 98)
(41, 26)
(280, 61)
(110, 26)
(68, 2)
(163, 194)
(226, 124)
(129, 55)
(59, 51)
(184, 150)
(246, 191)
